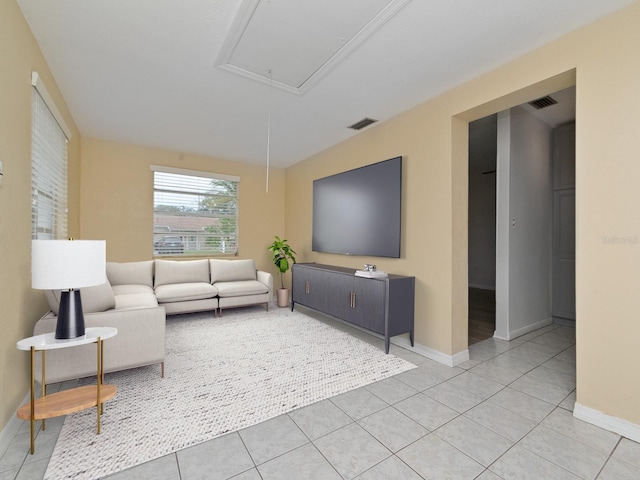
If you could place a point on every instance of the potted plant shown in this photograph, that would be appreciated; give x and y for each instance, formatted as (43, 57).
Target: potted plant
(283, 257)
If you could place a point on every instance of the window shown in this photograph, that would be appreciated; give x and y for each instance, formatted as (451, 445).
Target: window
(49, 137)
(194, 213)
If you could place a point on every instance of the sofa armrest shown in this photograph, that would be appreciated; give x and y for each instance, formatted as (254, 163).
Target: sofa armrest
(140, 341)
(267, 279)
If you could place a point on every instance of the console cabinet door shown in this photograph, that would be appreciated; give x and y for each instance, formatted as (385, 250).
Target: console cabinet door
(299, 282)
(310, 287)
(339, 295)
(368, 307)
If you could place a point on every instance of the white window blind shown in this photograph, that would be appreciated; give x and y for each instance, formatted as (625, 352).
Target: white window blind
(195, 213)
(48, 168)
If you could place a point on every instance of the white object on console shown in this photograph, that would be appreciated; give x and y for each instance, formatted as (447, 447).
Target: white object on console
(374, 274)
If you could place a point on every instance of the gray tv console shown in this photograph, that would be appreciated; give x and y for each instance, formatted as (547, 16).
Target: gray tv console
(381, 305)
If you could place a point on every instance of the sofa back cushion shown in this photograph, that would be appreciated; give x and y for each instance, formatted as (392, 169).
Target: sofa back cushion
(130, 273)
(232, 270)
(94, 299)
(181, 271)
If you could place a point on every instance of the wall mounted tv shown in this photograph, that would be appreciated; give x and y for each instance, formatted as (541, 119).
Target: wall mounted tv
(358, 212)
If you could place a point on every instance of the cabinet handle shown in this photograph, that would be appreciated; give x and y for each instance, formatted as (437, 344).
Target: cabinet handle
(354, 299)
(307, 287)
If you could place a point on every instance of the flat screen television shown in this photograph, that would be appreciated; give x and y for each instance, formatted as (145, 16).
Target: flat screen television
(358, 212)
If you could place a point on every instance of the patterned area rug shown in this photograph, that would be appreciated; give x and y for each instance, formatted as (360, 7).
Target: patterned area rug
(221, 375)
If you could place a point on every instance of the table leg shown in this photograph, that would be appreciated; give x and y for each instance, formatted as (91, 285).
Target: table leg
(33, 404)
(102, 370)
(99, 382)
(43, 392)
(101, 362)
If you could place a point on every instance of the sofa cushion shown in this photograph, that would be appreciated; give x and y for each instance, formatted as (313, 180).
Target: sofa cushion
(241, 288)
(232, 270)
(170, 272)
(130, 273)
(180, 292)
(94, 299)
(136, 300)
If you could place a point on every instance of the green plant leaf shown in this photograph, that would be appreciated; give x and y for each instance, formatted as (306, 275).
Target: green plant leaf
(283, 256)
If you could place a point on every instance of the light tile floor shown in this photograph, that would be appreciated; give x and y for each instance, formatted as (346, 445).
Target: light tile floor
(504, 414)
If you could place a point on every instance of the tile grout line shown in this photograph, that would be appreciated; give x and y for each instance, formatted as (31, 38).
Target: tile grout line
(322, 436)
(547, 415)
(503, 388)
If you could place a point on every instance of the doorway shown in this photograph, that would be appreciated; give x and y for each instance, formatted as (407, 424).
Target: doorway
(482, 228)
(521, 270)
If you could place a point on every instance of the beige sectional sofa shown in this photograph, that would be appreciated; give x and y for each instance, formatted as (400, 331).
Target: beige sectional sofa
(136, 299)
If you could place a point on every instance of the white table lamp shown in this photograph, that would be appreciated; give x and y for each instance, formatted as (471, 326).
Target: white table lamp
(68, 265)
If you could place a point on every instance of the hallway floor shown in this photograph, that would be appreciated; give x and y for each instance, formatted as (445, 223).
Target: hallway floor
(482, 314)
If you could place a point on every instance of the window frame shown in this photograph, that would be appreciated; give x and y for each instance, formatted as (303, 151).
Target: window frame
(192, 240)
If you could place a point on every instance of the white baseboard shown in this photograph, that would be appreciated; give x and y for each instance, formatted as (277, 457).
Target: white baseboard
(524, 330)
(460, 357)
(613, 424)
(433, 354)
(8, 433)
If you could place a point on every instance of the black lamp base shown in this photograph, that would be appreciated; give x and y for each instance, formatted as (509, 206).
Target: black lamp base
(70, 318)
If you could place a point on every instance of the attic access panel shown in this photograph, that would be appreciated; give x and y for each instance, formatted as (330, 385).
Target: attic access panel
(293, 44)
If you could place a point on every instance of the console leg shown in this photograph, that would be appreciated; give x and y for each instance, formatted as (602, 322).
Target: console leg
(411, 337)
(386, 344)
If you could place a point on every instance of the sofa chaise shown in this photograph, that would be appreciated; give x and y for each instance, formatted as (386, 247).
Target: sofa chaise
(136, 299)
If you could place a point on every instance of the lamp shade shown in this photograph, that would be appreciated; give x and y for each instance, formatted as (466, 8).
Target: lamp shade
(67, 264)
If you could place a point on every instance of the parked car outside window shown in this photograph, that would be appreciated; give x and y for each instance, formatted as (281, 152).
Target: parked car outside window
(169, 245)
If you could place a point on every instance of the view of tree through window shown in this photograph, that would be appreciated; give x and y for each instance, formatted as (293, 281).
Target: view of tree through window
(194, 215)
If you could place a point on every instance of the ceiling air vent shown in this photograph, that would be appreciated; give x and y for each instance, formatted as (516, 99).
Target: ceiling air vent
(543, 102)
(365, 122)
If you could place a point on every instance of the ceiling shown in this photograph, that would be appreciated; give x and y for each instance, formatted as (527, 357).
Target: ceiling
(204, 76)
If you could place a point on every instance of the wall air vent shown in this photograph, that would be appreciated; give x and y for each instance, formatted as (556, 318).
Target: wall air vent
(543, 102)
(365, 122)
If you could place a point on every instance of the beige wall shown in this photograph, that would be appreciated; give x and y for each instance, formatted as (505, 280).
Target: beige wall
(433, 137)
(117, 199)
(20, 306)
